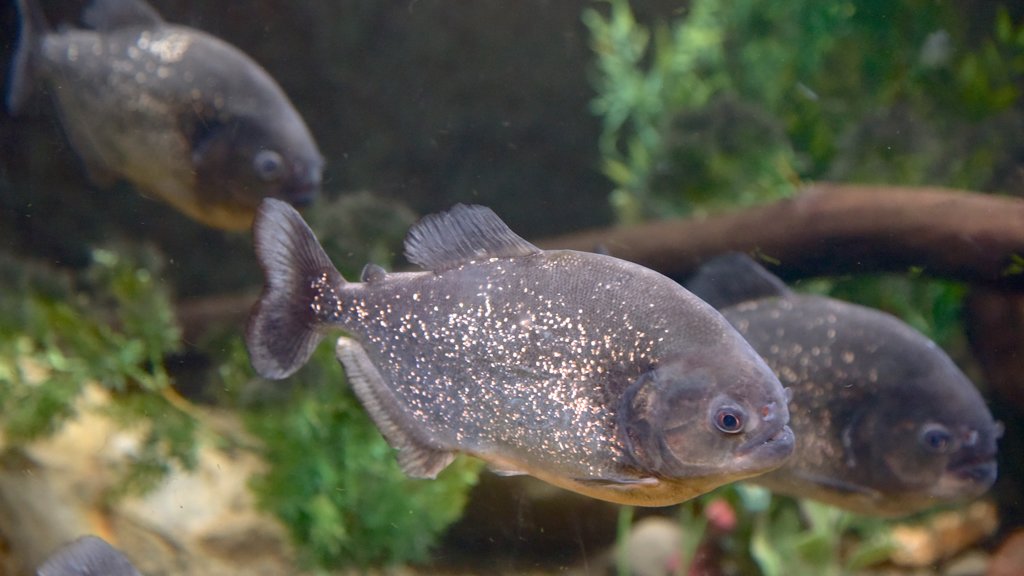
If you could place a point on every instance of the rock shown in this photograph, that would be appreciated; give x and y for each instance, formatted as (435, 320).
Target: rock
(943, 535)
(970, 564)
(654, 547)
(199, 522)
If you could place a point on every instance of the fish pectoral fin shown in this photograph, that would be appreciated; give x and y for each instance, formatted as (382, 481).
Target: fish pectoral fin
(619, 482)
(106, 15)
(501, 471)
(416, 457)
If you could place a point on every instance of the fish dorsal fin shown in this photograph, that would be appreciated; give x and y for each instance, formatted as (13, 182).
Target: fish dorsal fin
(734, 278)
(105, 15)
(88, 555)
(463, 234)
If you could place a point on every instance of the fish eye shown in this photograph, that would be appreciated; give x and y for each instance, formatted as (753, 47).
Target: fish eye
(268, 164)
(937, 438)
(730, 419)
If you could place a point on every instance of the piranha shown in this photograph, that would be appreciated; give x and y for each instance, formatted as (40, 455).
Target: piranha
(885, 422)
(588, 372)
(87, 556)
(179, 114)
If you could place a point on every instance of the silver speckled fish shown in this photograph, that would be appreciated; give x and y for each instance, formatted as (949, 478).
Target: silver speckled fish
(179, 114)
(885, 422)
(588, 372)
(87, 556)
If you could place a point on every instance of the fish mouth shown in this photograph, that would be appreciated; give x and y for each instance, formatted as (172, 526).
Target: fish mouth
(302, 188)
(302, 195)
(771, 451)
(981, 471)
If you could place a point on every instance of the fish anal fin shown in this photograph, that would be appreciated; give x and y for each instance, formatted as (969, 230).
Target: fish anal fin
(505, 471)
(732, 279)
(416, 457)
(105, 15)
(463, 234)
(99, 175)
(837, 485)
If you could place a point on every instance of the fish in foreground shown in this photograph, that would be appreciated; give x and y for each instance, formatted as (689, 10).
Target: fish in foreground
(588, 372)
(87, 556)
(885, 422)
(179, 114)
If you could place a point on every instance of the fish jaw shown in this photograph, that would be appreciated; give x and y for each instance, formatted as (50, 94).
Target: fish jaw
(302, 191)
(966, 479)
(762, 455)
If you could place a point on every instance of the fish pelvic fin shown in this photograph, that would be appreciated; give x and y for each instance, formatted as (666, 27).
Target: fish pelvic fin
(299, 296)
(418, 457)
(463, 234)
(106, 15)
(22, 75)
(732, 279)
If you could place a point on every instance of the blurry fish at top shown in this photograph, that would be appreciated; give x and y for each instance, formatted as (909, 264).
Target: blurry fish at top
(588, 372)
(87, 556)
(179, 114)
(885, 423)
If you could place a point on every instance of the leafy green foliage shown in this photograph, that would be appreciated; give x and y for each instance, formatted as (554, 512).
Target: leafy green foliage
(111, 326)
(335, 481)
(738, 101)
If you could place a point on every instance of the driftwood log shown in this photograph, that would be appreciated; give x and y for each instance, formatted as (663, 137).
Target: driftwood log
(827, 229)
(832, 229)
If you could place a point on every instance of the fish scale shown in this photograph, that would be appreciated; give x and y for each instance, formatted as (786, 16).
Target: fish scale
(868, 391)
(181, 115)
(586, 371)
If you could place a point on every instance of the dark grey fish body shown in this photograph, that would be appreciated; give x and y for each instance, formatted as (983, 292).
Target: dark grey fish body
(586, 371)
(885, 422)
(87, 556)
(178, 113)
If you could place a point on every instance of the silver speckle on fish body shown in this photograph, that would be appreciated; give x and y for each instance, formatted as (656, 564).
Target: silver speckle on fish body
(885, 422)
(178, 113)
(586, 371)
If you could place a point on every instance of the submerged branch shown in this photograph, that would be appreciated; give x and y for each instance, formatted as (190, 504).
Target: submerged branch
(832, 229)
(828, 229)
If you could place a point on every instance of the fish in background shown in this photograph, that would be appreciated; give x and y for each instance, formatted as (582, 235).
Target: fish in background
(87, 556)
(885, 422)
(591, 373)
(181, 115)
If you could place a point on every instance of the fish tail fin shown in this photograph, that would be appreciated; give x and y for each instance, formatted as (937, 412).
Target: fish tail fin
(22, 75)
(299, 297)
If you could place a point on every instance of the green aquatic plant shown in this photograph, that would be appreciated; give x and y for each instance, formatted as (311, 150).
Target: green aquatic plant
(737, 102)
(803, 537)
(111, 325)
(691, 110)
(774, 536)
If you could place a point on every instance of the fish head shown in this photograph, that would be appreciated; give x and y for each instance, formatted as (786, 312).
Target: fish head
(243, 159)
(932, 440)
(710, 415)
